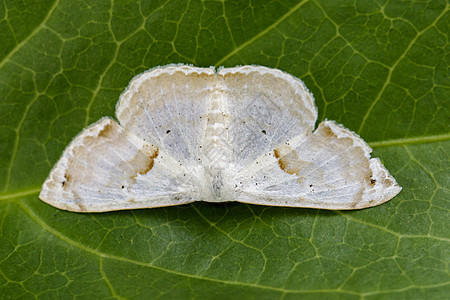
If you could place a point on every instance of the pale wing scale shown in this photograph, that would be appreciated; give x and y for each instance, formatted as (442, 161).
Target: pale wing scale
(167, 107)
(263, 117)
(106, 168)
(330, 169)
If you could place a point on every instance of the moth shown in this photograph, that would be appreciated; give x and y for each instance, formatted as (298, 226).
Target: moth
(246, 134)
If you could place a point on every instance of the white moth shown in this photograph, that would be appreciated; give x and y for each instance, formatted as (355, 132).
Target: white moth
(242, 134)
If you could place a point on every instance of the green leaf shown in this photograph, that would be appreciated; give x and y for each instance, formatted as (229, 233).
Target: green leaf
(380, 68)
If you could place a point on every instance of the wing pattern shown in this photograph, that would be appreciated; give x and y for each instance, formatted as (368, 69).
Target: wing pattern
(239, 134)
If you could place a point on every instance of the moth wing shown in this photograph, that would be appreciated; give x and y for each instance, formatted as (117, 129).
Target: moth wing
(329, 169)
(167, 107)
(107, 168)
(260, 117)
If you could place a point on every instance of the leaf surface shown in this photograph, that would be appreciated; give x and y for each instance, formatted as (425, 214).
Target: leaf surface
(380, 69)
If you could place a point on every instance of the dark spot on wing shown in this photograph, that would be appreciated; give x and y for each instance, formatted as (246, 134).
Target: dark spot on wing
(66, 180)
(146, 161)
(288, 159)
(151, 162)
(328, 132)
(105, 131)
